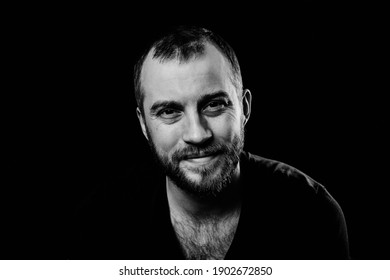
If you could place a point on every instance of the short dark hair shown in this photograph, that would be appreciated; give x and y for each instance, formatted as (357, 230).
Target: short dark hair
(183, 43)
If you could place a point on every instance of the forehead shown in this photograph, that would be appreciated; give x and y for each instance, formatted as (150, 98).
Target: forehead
(174, 79)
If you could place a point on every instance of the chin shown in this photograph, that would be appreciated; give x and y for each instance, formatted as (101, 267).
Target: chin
(203, 176)
(210, 185)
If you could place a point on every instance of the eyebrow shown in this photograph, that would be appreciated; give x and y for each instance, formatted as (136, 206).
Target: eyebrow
(176, 105)
(210, 96)
(164, 104)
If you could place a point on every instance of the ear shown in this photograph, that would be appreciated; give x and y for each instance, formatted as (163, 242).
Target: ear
(246, 104)
(142, 123)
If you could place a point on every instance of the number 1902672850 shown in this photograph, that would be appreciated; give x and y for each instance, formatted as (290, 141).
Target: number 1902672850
(242, 270)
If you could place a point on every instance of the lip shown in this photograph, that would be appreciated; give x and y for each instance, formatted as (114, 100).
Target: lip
(201, 159)
(200, 155)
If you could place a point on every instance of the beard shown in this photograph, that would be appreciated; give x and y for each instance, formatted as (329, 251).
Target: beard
(215, 178)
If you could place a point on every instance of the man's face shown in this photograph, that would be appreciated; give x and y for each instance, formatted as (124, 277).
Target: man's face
(193, 120)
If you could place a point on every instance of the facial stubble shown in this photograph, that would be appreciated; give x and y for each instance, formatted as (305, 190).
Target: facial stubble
(211, 184)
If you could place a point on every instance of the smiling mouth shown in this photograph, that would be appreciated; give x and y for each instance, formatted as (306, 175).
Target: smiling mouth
(201, 159)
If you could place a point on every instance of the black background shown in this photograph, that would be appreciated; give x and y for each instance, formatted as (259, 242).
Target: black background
(71, 124)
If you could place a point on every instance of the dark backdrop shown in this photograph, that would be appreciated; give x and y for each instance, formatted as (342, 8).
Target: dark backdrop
(311, 69)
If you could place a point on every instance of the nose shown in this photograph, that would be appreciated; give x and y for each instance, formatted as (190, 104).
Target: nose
(196, 131)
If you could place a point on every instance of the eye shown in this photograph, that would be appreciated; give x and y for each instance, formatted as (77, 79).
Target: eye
(168, 113)
(216, 105)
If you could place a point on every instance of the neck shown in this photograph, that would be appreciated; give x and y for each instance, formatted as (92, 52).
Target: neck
(182, 203)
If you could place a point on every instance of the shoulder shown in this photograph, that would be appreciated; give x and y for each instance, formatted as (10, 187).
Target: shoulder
(296, 208)
(274, 171)
(285, 183)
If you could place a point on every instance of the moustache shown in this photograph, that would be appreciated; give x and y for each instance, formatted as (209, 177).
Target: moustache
(194, 152)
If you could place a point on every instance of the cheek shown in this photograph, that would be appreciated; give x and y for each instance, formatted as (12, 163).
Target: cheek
(226, 127)
(164, 137)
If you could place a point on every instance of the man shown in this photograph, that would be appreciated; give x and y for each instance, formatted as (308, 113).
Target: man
(216, 200)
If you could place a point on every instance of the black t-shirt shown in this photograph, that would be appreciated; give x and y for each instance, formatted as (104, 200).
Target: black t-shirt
(285, 215)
